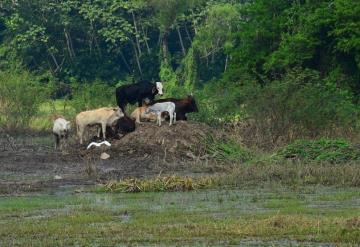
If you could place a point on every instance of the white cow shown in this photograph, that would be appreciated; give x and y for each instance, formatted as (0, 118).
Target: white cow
(159, 108)
(106, 116)
(61, 130)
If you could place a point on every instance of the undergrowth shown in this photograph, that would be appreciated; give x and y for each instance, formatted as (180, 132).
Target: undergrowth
(226, 150)
(323, 150)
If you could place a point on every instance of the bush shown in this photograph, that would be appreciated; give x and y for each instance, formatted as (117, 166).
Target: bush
(226, 150)
(224, 101)
(301, 105)
(20, 97)
(92, 96)
(323, 150)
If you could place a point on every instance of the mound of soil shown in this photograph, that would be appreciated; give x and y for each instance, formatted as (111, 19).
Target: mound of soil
(177, 140)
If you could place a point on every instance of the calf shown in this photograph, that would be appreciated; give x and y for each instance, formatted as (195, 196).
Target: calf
(61, 130)
(137, 92)
(140, 114)
(182, 106)
(159, 108)
(103, 116)
(123, 125)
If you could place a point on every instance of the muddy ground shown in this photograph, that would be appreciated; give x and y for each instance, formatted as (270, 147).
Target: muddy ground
(28, 162)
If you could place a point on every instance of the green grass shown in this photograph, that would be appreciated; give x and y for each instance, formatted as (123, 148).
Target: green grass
(335, 151)
(44, 118)
(207, 217)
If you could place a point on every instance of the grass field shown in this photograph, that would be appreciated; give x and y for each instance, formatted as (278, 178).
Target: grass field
(252, 198)
(252, 217)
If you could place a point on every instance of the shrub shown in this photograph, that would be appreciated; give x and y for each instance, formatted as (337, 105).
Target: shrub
(226, 150)
(323, 150)
(224, 101)
(20, 97)
(92, 96)
(301, 105)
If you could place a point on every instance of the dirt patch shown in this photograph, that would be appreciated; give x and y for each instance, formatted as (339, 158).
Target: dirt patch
(28, 165)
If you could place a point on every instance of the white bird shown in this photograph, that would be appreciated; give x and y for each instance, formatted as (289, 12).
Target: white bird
(98, 144)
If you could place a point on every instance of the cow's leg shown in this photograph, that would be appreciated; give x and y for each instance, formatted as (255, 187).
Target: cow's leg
(56, 141)
(80, 133)
(138, 117)
(122, 107)
(171, 117)
(98, 130)
(103, 125)
(159, 118)
(61, 142)
(174, 119)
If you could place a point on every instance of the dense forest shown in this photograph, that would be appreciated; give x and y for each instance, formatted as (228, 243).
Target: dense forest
(289, 69)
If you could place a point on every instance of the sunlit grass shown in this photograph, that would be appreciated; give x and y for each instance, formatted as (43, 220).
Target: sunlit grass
(48, 110)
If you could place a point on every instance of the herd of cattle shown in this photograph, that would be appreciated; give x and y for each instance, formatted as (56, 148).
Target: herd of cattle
(111, 121)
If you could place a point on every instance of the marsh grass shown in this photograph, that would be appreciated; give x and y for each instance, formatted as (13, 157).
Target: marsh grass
(248, 175)
(208, 217)
(159, 183)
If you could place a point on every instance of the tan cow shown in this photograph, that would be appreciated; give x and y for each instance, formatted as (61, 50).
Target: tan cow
(106, 116)
(140, 114)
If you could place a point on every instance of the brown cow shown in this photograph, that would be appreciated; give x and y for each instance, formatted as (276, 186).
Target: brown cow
(105, 116)
(140, 114)
(182, 106)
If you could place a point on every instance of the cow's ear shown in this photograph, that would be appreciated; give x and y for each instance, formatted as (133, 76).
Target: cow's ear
(153, 90)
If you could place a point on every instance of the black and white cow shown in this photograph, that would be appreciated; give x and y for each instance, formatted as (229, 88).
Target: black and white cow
(137, 92)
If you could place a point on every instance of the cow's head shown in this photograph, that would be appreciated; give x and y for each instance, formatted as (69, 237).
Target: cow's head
(158, 88)
(192, 106)
(118, 112)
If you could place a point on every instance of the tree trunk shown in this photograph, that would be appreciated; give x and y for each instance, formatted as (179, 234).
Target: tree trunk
(145, 38)
(164, 47)
(53, 58)
(187, 33)
(125, 62)
(137, 58)
(69, 44)
(181, 41)
(226, 62)
(136, 33)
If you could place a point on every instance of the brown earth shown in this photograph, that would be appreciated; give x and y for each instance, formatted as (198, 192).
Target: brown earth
(28, 165)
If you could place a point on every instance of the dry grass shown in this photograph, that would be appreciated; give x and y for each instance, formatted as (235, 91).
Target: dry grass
(167, 183)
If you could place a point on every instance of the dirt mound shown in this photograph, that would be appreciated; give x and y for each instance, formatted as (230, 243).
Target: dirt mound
(178, 140)
(152, 149)
(184, 139)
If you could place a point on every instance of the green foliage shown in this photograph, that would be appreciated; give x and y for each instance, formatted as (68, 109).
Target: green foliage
(215, 35)
(226, 151)
(301, 104)
(93, 96)
(20, 97)
(324, 150)
(171, 82)
(223, 101)
(290, 67)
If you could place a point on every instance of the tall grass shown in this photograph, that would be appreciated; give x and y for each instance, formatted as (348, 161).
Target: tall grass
(20, 98)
